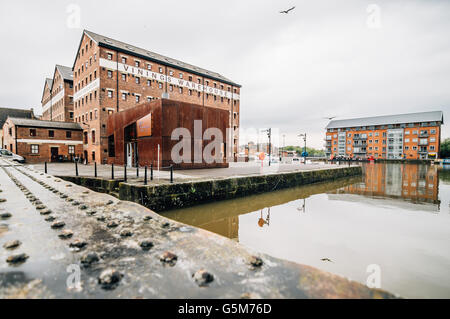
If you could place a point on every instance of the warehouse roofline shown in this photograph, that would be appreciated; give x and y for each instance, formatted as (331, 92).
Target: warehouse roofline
(434, 116)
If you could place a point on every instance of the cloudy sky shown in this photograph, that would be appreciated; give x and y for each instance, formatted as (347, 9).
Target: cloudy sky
(325, 58)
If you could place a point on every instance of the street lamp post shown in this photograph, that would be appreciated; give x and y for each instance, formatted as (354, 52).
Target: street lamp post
(269, 135)
(304, 151)
(284, 146)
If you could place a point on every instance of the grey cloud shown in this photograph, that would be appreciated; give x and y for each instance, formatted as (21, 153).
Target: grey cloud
(320, 60)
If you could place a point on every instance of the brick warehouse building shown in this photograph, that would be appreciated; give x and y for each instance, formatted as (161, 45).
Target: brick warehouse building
(111, 76)
(57, 97)
(404, 136)
(39, 141)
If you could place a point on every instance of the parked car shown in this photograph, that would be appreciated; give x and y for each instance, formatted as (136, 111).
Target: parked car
(11, 156)
(298, 160)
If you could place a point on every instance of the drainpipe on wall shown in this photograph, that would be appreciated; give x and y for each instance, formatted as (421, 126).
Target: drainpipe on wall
(166, 80)
(117, 79)
(51, 105)
(15, 138)
(232, 122)
(203, 83)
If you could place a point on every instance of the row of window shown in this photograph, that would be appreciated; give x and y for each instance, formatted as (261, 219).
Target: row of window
(86, 81)
(89, 117)
(85, 99)
(85, 65)
(124, 95)
(83, 49)
(407, 148)
(51, 133)
(422, 140)
(422, 132)
(85, 137)
(137, 80)
(415, 132)
(34, 149)
(110, 94)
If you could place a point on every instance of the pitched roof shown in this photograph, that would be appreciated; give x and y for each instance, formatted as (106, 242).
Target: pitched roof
(47, 124)
(49, 82)
(435, 116)
(65, 71)
(149, 55)
(10, 112)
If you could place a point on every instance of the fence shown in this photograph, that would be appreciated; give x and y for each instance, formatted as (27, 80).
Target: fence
(126, 172)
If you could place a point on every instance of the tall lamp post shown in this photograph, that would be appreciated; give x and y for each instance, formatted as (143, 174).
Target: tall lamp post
(269, 135)
(304, 154)
(284, 146)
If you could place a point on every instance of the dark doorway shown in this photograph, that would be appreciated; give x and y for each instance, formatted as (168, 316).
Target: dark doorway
(55, 154)
(130, 145)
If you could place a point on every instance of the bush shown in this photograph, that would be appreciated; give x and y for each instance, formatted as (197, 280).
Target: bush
(445, 148)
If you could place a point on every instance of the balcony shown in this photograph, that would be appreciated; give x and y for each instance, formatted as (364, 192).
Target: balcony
(362, 138)
(423, 134)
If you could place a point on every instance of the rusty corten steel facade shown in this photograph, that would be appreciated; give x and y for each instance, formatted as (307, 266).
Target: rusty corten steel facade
(167, 115)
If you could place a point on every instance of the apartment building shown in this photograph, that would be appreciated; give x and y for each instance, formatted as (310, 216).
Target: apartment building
(403, 136)
(57, 97)
(112, 76)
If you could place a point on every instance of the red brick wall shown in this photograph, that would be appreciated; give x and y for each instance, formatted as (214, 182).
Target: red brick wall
(45, 99)
(24, 148)
(59, 110)
(99, 101)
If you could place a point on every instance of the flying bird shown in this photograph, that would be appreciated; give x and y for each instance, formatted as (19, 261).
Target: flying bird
(327, 259)
(330, 118)
(288, 10)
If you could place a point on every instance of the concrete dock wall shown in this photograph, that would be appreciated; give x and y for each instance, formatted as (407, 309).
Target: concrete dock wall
(163, 197)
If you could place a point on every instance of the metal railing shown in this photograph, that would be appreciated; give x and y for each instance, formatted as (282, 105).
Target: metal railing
(125, 171)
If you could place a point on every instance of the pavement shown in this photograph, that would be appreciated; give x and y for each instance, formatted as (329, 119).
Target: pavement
(163, 177)
(60, 240)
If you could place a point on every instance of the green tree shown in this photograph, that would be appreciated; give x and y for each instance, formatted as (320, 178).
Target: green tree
(445, 148)
(311, 151)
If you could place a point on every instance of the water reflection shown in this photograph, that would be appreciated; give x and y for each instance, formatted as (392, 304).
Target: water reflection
(394, 216)
(223, 217)
(402, 184)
